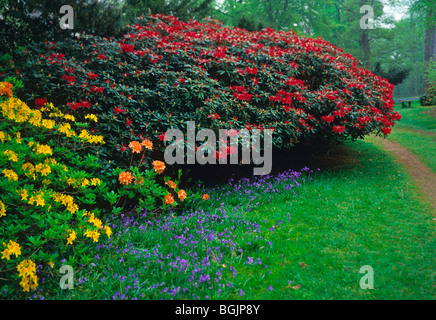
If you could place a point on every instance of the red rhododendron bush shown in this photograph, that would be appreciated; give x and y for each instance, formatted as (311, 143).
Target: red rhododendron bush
(165, 72)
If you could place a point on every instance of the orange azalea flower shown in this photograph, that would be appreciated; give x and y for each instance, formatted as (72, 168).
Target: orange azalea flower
(159, 166)
(125, 177)
(139, 181)
(147, 144)
(169, 199)
(205, 196)
(6, 89)
(182, 195)
(171, 184)
(135, 146)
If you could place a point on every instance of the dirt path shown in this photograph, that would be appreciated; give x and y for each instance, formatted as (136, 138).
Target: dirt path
(427, 133)
(424, 177)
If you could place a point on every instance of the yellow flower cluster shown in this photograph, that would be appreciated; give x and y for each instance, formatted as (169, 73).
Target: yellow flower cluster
(71, 237)
(2, 209)
(69, 117)
(65, 128)
(2, 136)
(66, 200)
(41, 148)
(30, 170)
(99, 224)
(12, 156)
(92, 117)
(16, 110)
(12, 248)
(84, 182)
(10, 174)
(27, 271)
(86, 137)
(94, 235)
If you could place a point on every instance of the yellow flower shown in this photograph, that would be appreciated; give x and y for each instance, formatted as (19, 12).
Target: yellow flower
(71, 237)
(10, 174)
(85, 182)
(48, 124)
(18, 137)
(92, 117)
(26, 268)
(44, 149)
(95, 181)
(92, 234)
(69, 117)
(23, 193)
(29, 283)
(159, 166)
(108, 231)
(12, 248)
(40, 200)
(65, 128)
(12, 156)
(2, 136)
(2, 209)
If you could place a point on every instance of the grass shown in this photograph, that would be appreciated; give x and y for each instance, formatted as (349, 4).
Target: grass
(300, 236)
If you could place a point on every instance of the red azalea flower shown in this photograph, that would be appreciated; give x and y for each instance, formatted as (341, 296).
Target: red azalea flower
(118, 110)
(328, 119)
(161, 136)
(40, 102)
(386, 130)
(128, 122)
(127, 47)
(338, 129)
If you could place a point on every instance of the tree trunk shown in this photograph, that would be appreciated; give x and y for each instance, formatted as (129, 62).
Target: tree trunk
(430, 46)
(366, 48)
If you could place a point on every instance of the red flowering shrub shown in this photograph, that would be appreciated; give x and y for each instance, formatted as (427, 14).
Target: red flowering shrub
(166, 72)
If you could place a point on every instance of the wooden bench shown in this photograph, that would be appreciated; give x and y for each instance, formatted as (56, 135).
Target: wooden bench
(403, 103)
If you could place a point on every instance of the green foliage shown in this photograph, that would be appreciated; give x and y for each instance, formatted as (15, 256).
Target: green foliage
(184, 9)
(38, 20)
(395, 75)
(429, 96)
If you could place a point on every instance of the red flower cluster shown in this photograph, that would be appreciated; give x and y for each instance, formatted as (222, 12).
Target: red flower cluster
(79, 105)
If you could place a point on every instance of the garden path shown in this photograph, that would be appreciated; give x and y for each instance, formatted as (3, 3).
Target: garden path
(424, 177)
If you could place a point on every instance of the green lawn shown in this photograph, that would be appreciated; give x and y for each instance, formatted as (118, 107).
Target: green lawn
(308, 242)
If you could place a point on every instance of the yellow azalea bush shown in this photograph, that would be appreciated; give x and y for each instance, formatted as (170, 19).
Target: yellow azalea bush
(48, 195)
